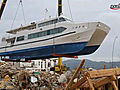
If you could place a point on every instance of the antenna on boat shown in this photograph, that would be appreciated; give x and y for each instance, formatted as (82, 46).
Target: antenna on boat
(46, 13)
(59, 7)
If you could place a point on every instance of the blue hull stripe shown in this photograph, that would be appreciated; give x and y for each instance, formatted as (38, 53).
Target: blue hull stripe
(47, 51)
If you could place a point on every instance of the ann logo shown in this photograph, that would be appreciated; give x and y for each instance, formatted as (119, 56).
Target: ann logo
(115, 7)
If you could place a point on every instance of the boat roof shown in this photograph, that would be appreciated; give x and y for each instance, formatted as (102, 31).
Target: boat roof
(32, 25)
(28, 27)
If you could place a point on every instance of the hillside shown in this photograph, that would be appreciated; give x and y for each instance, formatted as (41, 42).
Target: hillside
(90, 64)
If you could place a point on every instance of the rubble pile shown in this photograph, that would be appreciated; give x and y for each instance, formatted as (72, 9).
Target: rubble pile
(13, 78)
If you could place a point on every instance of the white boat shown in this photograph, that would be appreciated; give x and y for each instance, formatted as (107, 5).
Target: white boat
(53, 36)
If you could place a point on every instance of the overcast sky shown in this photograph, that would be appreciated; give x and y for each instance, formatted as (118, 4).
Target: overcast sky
(82, 11)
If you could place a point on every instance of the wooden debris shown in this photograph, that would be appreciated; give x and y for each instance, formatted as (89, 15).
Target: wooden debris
(97, 79)
(90, 84)
(79, 83)
(114, 85)
(103, 73)
(74, 75)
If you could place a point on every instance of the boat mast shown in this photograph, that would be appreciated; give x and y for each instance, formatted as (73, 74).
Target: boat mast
(2, 7)
(59, 7)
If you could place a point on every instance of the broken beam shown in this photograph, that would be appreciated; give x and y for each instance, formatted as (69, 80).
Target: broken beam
(74, 75)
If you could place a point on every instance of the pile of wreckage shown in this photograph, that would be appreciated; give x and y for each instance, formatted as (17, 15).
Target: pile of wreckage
(13, 78)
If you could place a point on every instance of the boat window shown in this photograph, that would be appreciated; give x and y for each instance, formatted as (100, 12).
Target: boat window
(55, 21)
(51, 22)
(48, 32)
(44, 24)
(68, 20)
(12, 41)
(45, 33)
(3, 39)
(83, 26)
(21, 38)
(61, 19)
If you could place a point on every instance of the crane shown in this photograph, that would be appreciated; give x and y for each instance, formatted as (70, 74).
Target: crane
(2, 8)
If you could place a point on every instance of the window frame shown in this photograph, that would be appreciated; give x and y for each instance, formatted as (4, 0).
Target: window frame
(20, 38)
(47, 32)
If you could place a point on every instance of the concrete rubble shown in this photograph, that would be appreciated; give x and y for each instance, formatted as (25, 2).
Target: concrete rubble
(13, 78)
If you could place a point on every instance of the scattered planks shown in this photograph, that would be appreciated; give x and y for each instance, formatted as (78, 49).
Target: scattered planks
(103, 73)
(94, 79)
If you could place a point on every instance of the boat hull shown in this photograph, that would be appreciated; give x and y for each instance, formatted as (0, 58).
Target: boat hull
(79, 48)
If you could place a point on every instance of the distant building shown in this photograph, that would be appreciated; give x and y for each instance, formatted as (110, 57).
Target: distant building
(43, 65)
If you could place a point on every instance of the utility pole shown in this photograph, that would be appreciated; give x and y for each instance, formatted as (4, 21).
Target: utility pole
(113, 49)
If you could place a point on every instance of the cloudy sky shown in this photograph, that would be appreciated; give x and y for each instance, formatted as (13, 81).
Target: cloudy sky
(82, 11)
